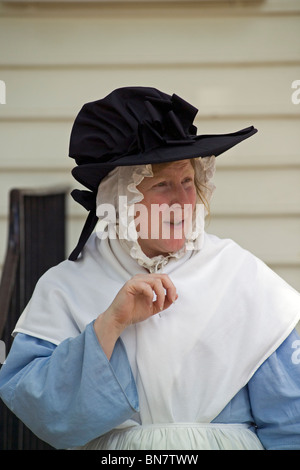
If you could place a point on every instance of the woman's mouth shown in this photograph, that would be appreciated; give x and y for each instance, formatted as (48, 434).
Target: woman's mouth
(175, 224)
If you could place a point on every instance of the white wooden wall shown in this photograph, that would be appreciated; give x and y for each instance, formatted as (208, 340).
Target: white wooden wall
(236, 63)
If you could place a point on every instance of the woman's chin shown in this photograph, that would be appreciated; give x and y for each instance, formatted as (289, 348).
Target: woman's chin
(153, 248)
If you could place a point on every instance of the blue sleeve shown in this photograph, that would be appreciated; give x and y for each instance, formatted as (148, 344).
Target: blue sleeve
(274, 393)
(68, 394)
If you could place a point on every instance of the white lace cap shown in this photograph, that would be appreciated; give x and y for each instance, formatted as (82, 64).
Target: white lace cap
(118, 192)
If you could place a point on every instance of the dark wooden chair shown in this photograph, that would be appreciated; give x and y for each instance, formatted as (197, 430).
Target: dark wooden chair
(36, 242)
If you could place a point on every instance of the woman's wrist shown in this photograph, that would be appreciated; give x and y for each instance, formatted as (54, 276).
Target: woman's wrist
(107, 332)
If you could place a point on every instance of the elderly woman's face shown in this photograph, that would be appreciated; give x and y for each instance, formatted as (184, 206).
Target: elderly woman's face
(168, 205)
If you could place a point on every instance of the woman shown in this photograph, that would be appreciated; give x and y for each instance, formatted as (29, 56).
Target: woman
(154, 334)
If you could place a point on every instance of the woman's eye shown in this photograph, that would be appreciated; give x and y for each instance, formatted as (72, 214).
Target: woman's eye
(160, 185)
(188, 180)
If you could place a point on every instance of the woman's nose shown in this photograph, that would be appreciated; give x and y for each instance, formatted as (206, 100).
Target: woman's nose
(179, 196)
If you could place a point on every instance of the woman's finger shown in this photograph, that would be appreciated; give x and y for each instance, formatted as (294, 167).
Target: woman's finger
(160, 294)
(164, 290)
(170, 288)
(158, 288)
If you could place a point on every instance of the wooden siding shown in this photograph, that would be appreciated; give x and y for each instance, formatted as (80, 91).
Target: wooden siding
(235, 63)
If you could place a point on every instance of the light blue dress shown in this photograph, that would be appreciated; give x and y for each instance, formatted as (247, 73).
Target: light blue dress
(69, 394)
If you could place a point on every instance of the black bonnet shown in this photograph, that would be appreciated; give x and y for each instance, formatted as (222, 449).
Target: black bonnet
(135, 126)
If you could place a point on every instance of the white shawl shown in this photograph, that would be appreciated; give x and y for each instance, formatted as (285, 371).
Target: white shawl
(232, 313)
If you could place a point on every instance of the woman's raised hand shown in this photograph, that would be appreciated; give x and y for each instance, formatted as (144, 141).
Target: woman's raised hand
(141, 297)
